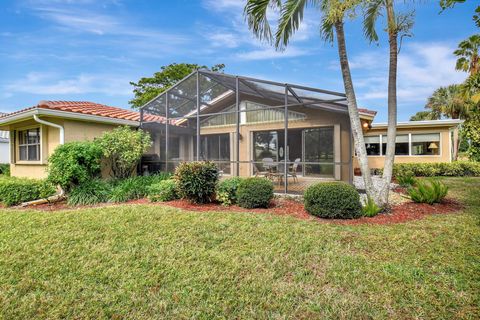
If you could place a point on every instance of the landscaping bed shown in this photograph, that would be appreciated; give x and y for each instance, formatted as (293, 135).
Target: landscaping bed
(398, 213)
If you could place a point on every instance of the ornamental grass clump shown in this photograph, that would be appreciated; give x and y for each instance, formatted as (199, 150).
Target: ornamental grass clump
(196, 181)
(254, 192)
(428, 191)
(334, 200)
(89, 193)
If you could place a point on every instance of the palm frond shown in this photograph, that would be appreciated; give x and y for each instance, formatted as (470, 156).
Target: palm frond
(370, 16)
(290, 18)
(255, 13)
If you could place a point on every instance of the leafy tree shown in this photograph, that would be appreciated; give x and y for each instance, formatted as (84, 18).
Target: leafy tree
(449, 102)
(122, 148)
(149, 87)
(467, 53)
(423, 115)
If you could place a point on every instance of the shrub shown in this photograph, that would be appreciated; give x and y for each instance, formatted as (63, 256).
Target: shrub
(370, 209)
(122, 148)
(90, 192)
(428, 191)
(165, 190)
(134, 187)
(74, 163)
(448, 169)
(196, 181)
(14, 191)
(5, 169)
(227, 190)
(406, 179)
(254, 192)
(333, 200)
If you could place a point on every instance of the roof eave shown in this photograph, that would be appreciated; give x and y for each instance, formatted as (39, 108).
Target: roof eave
(22, 116)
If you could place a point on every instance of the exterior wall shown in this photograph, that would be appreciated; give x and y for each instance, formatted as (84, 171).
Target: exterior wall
(315, 118)
(376, 162)
(50, 138)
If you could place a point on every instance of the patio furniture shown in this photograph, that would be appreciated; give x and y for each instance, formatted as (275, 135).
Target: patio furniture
(293, 171)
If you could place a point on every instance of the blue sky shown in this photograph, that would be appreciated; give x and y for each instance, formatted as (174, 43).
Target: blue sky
(91, 49)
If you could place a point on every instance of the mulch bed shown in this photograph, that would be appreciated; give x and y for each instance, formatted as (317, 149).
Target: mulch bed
(287, 207)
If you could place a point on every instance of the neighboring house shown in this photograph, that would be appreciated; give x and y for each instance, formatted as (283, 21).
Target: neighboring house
(417, 141)
(248, 127)
(35, 132)
(4, 145)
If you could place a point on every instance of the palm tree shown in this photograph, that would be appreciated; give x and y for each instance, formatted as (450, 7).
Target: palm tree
(449, 102)
(467, 54)
(291, 15)
(397, 26)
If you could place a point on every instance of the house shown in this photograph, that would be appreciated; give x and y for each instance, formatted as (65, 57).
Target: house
(292, 134)
(36, 131)
(416, 141)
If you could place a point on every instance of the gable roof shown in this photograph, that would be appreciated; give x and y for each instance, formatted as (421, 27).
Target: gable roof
(83, 110)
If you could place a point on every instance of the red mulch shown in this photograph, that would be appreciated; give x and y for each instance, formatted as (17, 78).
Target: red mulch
(287, 207)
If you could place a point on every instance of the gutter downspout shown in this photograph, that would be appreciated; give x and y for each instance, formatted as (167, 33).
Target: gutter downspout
(62, 131)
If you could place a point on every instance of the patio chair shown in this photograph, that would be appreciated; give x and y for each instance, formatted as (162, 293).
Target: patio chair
(293, 172)
(259, 172)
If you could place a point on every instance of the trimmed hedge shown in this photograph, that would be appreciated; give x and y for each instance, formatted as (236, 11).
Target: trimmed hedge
(447, 169)
(227, 190)
(165, 190)
(196, 181)
(334, 200)
(14, 191)
(254, 192)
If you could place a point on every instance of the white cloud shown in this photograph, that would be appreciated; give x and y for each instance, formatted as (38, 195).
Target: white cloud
(422, 68)
(224, 39)
(53, 84)
(271, 53)
(224, 5)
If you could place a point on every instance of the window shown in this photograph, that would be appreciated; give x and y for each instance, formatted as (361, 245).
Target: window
(256, 113)
(401, 145)
(372, 144)
(29, 145)
(426, 144)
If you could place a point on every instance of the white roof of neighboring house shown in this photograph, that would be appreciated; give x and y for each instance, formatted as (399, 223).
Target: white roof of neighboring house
(423, 123)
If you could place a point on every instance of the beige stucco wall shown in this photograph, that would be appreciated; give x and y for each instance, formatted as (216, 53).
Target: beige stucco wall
(50, 138)
(445, 147)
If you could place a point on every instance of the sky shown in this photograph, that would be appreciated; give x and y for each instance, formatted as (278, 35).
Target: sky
(90, 50)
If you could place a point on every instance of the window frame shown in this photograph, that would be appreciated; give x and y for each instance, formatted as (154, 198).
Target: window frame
(18, 145)
(440, 152)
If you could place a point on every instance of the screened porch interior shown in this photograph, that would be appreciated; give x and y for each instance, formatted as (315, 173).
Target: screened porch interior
(290, 134)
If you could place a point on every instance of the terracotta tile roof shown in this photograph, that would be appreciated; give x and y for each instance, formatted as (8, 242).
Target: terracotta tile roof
(362, 110)
(91, 108)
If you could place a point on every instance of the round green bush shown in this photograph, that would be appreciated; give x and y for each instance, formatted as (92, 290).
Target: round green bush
(74, 163)
(335, 200)
(165, 190)
(254, 193)
(196, 181)
(227, 190)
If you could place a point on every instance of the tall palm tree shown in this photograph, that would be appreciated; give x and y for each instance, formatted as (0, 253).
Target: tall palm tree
(291, 15)
(449, 102)
(467, 53)
(397, 26)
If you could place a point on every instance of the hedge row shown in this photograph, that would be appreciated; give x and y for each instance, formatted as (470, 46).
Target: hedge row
(447, 169)
(14, 191)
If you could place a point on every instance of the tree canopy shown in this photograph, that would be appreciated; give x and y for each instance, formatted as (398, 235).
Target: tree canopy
(148, 88)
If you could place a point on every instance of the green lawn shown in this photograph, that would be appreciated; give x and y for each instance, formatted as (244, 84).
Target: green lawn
(138, 262)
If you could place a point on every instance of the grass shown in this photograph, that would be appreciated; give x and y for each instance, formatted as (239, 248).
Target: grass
(140, 262)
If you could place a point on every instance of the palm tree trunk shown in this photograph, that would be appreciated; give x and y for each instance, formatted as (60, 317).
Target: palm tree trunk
(392, 105)
(355, 122)
(456, 144)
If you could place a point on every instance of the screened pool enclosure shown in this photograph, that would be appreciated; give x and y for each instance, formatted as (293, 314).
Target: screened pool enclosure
(288, 133)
